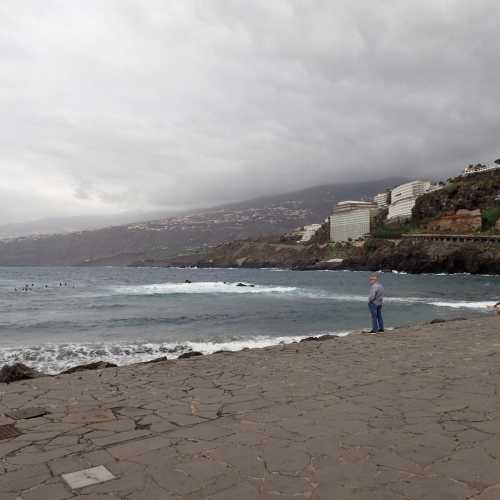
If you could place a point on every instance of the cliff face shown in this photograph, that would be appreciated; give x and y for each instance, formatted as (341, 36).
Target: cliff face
(461, 222)
(253, 254)
(403, 255)
(427, 257)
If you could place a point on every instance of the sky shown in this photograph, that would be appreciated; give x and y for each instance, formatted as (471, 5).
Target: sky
(126, 105)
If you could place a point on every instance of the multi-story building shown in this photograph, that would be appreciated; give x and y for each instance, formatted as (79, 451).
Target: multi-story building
(404, 197)
(382, 199)
(352, 220)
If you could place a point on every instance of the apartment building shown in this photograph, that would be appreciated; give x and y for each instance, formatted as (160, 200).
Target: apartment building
(382, 199)
(404, 197)
(352, 220)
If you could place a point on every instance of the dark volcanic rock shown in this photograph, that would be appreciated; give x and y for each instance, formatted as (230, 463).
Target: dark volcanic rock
(321, 338)
(98, 365)
(156, 360)
(191, 354)
(436, 321)
(17, 371)
(427, 257)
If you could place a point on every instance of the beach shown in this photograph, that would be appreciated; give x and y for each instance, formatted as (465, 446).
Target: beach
(408, 414)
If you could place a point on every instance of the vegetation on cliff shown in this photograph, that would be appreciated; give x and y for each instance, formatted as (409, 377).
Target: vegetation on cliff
(470, 192)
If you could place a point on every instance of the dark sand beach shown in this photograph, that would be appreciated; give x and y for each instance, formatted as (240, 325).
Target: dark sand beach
(411, 414)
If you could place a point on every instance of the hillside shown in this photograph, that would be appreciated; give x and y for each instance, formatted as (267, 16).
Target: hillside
(71, 224)
(478, 191)
(163, 238)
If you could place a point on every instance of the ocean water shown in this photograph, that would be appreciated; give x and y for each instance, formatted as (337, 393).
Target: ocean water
(72, 316)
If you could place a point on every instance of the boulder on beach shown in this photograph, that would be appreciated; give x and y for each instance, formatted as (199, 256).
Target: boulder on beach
(17, 371)
(191, 354)
(437, 321)
(321, 338)
(156, 360)
(98, 365)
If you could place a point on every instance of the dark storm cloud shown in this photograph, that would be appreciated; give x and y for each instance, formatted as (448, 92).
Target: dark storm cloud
(126, 104)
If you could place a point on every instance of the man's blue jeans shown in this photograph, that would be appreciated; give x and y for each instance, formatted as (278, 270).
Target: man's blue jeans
(377, 320)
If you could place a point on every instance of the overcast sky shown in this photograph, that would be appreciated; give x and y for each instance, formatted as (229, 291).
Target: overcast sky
(112, 105)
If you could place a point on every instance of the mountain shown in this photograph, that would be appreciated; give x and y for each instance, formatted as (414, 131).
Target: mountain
(71, 224)
(166, 237)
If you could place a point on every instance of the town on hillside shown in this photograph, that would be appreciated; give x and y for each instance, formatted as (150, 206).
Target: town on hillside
(354, 220)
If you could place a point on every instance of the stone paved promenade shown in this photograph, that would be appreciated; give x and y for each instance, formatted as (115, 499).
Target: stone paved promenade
(411, 414)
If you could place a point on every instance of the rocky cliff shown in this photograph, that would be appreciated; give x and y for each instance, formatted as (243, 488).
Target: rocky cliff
(400, 255)
(248, 253)
(427, 257)
(462, 221)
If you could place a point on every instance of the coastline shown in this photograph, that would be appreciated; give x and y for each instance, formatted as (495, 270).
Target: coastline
(411, 413)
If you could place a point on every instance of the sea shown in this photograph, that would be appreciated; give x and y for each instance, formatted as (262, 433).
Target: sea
(58, 317)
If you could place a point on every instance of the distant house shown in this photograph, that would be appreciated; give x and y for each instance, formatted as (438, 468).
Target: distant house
(404, 197)
(309, 231)
(352, 220)
(479, 168)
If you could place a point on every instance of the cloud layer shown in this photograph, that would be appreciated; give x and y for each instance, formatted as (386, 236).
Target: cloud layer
(126, 105)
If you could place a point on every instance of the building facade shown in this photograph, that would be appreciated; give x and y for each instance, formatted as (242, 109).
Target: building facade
(404, 197)
(352, 220)
(382, 199)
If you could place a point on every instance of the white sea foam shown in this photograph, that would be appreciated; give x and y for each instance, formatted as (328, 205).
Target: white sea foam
(207, 287)
(54, 358)
(464, 305)
(219, 287)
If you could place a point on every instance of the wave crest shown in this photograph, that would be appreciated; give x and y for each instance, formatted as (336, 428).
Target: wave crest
(207, 287)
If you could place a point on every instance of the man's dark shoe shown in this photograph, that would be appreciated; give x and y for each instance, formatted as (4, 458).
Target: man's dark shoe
(381, 331)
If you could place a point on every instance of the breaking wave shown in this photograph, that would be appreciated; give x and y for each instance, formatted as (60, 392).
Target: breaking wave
(54, 358)
(207, 287)
(464, 305)
(219, 287)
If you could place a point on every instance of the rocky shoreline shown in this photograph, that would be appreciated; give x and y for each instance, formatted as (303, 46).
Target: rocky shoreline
(376, 254)
(410, 414)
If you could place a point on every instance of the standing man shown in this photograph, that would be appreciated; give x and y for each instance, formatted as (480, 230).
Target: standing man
(375, 301)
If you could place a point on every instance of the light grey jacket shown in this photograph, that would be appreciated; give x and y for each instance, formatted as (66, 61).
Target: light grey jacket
(376, 294)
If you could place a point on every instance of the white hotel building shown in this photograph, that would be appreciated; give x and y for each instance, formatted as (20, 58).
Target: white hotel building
(352, 220)
(404, 197)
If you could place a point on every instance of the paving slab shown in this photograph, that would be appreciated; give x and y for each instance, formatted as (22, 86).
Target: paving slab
(89, 416)
(88, 477)
(26, 413)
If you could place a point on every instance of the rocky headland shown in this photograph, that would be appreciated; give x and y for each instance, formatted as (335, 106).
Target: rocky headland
(376, 254)
(411, 414)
